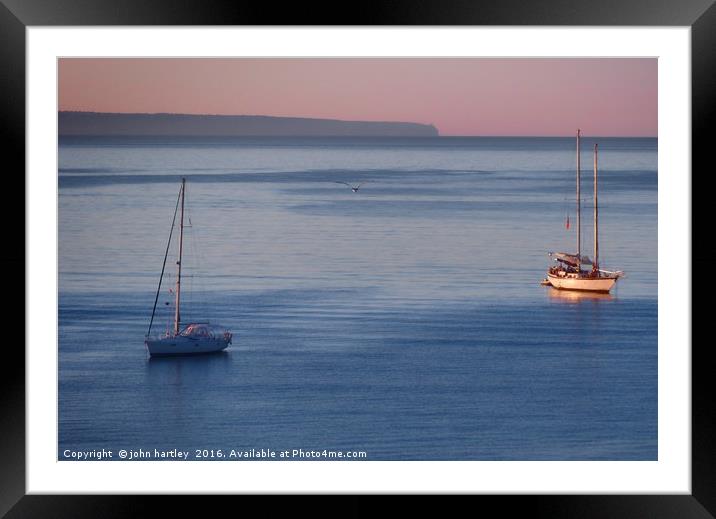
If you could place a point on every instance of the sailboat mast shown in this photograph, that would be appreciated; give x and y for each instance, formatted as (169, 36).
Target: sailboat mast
(181, 244)
(579, 210)
(596, 214)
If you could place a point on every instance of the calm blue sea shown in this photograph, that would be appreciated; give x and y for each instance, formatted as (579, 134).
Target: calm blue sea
(405, 321)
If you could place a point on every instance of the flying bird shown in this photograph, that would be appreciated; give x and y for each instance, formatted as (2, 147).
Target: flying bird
(353, 188)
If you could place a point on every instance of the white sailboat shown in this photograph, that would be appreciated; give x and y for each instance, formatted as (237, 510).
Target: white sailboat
(193, 337)
(568, 272)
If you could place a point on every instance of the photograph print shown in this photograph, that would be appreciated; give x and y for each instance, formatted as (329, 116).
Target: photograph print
(357, 259)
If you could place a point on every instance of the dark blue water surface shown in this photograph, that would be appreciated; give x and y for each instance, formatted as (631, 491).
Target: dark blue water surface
(405, 321)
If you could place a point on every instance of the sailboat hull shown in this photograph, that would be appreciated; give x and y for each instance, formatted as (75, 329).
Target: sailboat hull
(601, 284)
(178, 345)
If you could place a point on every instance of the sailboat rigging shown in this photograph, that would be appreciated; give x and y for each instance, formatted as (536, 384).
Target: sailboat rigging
(194, 337)
(568, 273)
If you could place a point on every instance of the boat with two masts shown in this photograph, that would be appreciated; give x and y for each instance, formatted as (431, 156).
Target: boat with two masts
(569, 272)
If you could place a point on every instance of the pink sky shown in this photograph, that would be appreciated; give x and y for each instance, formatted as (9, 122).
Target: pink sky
(460, 96)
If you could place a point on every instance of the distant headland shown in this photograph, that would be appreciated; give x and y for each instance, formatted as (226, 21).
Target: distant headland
(186, 125)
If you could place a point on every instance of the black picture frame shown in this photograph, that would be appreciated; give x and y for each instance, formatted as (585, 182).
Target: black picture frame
(17, 15)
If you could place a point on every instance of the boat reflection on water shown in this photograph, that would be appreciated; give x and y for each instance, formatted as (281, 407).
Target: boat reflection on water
(575, 296)
(183, 369)
(177, 360)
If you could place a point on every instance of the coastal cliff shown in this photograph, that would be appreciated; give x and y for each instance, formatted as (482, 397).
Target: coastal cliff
(121, 124)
